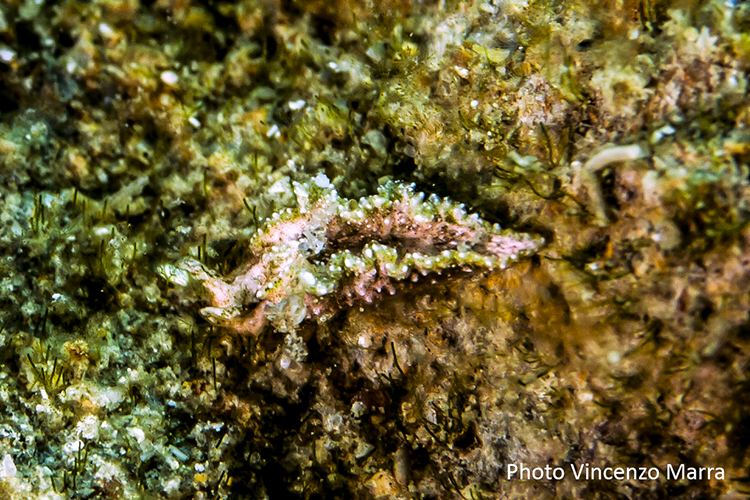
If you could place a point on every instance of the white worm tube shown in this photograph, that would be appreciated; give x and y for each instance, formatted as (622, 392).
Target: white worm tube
(613, 154)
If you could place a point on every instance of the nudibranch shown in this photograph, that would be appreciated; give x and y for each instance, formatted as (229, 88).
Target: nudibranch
(331, 252)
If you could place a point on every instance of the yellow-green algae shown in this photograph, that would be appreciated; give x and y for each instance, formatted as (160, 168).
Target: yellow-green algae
(135, 134)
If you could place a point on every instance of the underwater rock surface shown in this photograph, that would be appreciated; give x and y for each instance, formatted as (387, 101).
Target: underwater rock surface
(178, 175)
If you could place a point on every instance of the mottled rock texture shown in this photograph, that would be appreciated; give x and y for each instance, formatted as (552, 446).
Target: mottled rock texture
(151, 151)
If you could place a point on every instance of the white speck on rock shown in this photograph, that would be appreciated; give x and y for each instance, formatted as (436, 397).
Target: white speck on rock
(138, 434)
(88, 427)
(7, 55)
(285, 362)
(8, 467)
(169, 77)
(307, 278)
(105, 30)
(295, 105)
(172, 487)
(322, 181)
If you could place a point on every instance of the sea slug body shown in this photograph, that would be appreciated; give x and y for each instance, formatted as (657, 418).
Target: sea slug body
(332, 252)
